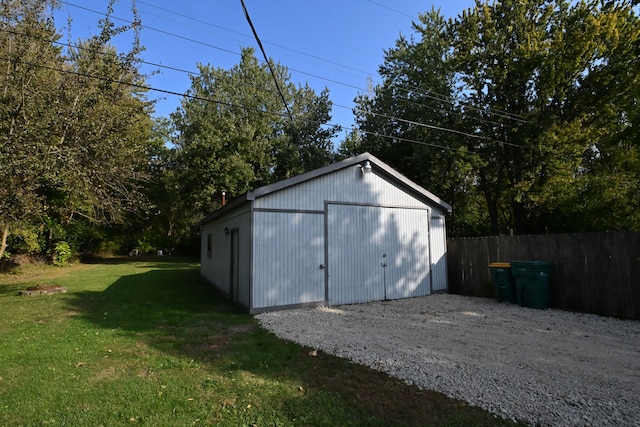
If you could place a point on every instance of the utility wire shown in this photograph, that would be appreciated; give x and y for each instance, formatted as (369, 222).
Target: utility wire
(232, 105)
(413, 141)
(266, 59)
(154, 29)
(141, 86)
(441, 98)
(391, 9)
(496, 112)
(299, 52)
(414, 123)
(362, 111)
(137, 60)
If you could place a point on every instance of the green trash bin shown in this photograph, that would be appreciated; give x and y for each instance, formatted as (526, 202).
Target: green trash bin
(532, 283)
(505, 286)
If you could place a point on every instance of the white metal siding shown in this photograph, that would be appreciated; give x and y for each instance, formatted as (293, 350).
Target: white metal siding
(288, 252)
(377, 253)
(345, 185)
(355, 251)
(438, 241)
(217, 268)
(407, 274)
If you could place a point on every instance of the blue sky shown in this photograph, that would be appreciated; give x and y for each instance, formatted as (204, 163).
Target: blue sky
(328, 43)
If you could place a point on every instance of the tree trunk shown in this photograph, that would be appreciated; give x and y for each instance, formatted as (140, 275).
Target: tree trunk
(3, 243)
(492, 207)
(492, 203)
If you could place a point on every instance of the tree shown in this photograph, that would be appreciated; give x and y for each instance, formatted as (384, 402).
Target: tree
(401, 119)
(74, 129)
(168, 223)
(538, 99)
(309, 145)
(553, 69)
(27, 91)
(234, 133)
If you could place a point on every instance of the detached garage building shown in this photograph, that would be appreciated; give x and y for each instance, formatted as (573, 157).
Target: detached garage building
(351, 232)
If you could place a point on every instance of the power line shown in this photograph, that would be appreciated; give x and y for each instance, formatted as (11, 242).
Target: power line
(154, 29)
(499, 113)
(245, 35)
(207, 44)
(391, 9)
(229, 104)
(413, 141)
(137, 60)
(443, 98)
(142, 87)
(413, 123)
(271, 91)
(266, 59)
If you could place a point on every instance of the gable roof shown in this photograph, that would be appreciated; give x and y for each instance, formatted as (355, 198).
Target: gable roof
(387, 171)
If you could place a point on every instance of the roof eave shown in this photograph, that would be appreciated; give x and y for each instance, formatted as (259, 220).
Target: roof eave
(387, 170)
(238, 201)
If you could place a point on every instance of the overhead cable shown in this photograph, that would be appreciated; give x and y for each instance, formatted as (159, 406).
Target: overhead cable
(430, 93)
(266, 59)
(232, 105)
(358, 110)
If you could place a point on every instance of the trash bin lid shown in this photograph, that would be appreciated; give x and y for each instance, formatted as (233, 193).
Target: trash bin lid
(530, 264)
(500, 264)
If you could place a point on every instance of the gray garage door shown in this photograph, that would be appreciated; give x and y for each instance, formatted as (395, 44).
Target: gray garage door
(376, 253)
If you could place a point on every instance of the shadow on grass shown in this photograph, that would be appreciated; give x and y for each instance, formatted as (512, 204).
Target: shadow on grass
(173, 311)
(8, 267)
(167, 260)
(169, 296)
(10, 288)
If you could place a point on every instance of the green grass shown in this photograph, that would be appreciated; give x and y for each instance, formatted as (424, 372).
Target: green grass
(145, 342)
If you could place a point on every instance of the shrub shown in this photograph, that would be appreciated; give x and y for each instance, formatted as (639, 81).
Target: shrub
(61, 254)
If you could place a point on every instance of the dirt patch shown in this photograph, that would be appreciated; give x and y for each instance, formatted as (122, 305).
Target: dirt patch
(44, 290)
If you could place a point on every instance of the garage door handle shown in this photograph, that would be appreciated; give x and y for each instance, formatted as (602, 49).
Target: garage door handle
(322, 266)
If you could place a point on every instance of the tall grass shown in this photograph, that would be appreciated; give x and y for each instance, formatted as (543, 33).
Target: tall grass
(144, 342)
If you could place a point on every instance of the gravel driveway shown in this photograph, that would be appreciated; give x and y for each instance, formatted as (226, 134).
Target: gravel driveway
(546, 367)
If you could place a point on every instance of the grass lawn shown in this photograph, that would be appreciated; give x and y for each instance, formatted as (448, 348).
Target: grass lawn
(143, 341)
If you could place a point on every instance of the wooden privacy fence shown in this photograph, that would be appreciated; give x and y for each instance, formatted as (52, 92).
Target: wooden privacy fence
(592, 272)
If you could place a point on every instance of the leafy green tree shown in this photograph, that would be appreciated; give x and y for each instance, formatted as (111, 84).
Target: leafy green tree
(401, 120)
(74, 129)
(309, 145)
(538, 98)
(234, 133)
(551, 70)
(27, 92)
(167, 225)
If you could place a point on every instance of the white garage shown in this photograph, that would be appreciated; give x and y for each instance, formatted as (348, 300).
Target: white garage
(351, 232)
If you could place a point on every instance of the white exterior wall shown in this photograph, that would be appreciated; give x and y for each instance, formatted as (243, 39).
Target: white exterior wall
(438, 243)
(287, 254)
(216, 267)
(345, 185)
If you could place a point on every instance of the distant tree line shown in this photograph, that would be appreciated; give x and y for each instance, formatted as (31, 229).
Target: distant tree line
(522, 114)
(542, 100)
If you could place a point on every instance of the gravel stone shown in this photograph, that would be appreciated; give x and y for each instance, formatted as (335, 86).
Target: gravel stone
(544, 367)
